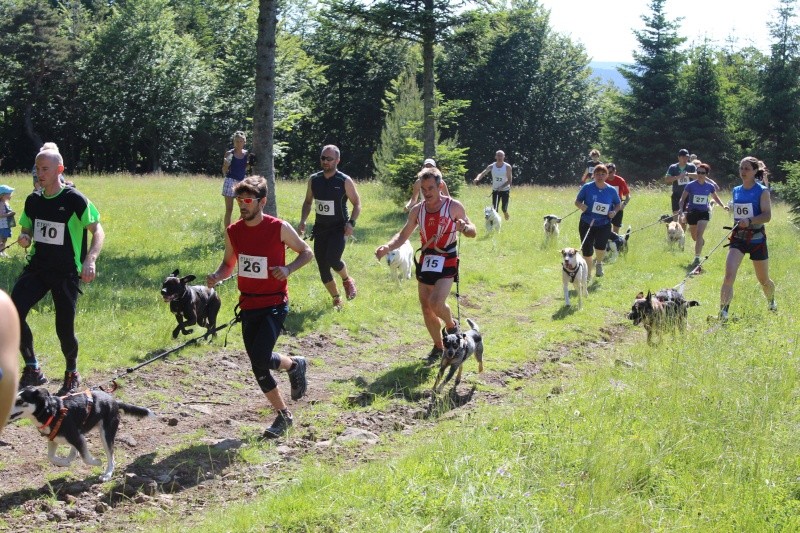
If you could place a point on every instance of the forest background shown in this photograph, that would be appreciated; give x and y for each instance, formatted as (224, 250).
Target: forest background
(159, 86)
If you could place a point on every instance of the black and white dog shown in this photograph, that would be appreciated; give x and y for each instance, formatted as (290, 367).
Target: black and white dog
(191, 304)
(66, 419)
(457, 349)
(617, 244)
(551, 228)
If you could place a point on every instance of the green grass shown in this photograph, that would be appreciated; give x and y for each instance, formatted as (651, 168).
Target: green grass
(698, 433)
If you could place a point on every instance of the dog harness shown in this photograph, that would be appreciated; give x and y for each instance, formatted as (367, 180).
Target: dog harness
(571, 273)
(62, 413)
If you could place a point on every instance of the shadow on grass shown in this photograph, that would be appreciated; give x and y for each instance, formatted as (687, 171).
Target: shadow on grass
(441, 404)
(400, 382)
(564, 311)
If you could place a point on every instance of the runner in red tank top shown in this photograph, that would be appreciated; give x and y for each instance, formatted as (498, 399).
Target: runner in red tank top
(440, 220)
(256, 243)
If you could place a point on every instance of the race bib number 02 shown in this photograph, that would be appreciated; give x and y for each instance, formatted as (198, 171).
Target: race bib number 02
(253, 266)
(743, 211)
(433, 263)
(325, 207)
(700, 199)
(600, 209)
(48, 232)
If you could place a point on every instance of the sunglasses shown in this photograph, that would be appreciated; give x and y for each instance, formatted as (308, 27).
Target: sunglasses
(245, 200)
(326, 158)
(702, 172)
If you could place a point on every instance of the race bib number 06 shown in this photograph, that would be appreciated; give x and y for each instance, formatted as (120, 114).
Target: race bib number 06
(433, 263)
(683, 180)
(253, 266)
(743, 211)
(48, 232)
(325, 207)
(600, 209)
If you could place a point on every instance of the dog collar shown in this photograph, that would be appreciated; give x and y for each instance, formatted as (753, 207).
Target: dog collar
(571, 273)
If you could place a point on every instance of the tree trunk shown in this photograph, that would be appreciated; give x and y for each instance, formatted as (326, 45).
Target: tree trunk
(29, 129)
(429, 38)
(264, 109)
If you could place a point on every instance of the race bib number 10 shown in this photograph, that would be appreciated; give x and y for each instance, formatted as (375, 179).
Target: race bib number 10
(325, 207)
(743, 211)
(433, 263)
(600, 209)
(253, 266)
(48, 232)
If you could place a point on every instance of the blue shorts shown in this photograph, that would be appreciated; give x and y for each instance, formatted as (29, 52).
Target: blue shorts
(227, 187)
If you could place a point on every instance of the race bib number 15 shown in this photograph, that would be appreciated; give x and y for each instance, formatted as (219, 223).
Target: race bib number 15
(433, 263)
(48, 232)
(253, 266)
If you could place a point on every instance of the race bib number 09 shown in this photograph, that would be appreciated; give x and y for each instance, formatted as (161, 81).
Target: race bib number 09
(48, 232)
(433, 263)
(325, 207)
(600, 209)
(700, 199)
(253, 266)
(743, 211)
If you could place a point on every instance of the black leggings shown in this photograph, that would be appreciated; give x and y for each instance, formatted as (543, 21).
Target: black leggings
(29, 289)
(499, 197)
(597, 239)
(328, 249)
(260, 330)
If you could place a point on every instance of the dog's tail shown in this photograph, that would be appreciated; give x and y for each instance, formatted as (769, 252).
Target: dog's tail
(473, 325)
(692, 303)
(135, 410)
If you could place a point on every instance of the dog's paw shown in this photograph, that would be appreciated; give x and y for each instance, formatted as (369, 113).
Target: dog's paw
(106, 476)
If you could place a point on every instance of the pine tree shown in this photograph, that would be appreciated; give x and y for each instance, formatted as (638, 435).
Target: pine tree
(648, 125)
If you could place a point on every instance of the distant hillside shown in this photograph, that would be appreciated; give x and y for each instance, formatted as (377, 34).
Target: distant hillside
(607, 71)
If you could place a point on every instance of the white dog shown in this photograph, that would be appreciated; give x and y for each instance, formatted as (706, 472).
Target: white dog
(400, 262)
(493, 221)
(551, 229)
(575, 270)
(675, 235)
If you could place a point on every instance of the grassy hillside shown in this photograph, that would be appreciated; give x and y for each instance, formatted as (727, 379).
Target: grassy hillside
(600, 431)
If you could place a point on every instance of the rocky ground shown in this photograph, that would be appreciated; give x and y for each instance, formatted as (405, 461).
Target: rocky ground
(208, 409)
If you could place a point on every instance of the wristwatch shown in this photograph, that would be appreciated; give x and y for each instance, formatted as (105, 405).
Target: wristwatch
(352, 222)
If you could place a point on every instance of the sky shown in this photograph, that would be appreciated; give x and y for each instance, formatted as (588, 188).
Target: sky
(606, 28)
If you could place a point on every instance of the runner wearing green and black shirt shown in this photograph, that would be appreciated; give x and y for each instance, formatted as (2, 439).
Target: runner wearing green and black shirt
(54, 223)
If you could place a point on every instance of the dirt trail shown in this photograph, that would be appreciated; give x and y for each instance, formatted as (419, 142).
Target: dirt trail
(185, 458)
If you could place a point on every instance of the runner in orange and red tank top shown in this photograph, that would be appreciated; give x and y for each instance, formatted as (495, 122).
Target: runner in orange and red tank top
(440, 220)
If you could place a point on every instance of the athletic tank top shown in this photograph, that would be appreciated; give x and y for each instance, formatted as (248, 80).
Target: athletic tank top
(259, 248)
(438, 226)
(330, 198)
(499, 175)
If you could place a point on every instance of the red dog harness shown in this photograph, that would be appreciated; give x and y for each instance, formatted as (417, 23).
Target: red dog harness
(62, 413)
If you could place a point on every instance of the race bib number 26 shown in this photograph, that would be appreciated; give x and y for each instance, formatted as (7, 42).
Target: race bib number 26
(433, 263)
(48, 232)
(253, 266)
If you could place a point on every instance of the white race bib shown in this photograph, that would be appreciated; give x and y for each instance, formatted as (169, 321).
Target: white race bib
(742, 211)
(253, 266)
(498, 179)
(433, 263)
(700, 199)
(48, 232)
(615, 188)
(601, 209)
(684, 180)
(325, 207)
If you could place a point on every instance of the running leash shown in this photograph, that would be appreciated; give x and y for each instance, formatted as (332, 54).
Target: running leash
(572, 213)
(587, 234)
(113, 380)
(4, 248)
(663, 219)
(680, 286)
